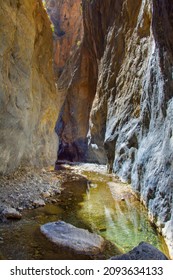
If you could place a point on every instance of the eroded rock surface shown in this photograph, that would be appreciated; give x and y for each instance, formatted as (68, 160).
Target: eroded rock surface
(28, 99)
(143, 251)
(66, 235)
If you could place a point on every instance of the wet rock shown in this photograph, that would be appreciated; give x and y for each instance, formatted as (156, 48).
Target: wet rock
(143, 251)
(11, 213)
(67, 235)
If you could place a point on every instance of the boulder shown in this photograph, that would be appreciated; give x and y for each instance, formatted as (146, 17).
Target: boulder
(11, 213)
(143, 251)
(69, 236)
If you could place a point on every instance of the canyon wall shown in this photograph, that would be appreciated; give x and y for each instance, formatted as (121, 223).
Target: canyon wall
(76, 74)
(131, 120)
(28, 98)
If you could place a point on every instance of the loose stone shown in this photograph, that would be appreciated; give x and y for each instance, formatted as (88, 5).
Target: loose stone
(11, 213)
(39, 203)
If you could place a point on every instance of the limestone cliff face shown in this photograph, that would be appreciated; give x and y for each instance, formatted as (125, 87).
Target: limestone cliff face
(131, 120)
(27, 90)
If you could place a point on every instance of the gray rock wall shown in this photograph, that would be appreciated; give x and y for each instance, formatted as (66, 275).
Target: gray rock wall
(131, 119)
(28, 98)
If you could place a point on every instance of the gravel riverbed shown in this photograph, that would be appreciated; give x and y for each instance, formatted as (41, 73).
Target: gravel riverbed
(28, 188)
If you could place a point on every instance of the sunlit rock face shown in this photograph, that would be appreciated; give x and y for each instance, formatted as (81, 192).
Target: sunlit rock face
(28, 98)
(131, 117)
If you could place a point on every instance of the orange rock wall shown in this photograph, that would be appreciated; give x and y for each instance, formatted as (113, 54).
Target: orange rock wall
(28, 98)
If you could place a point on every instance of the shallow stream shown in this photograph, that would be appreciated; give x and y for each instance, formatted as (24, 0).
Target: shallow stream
(92, 200)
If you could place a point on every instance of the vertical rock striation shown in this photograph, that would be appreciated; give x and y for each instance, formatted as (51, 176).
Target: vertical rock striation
(131, 119)
(28, 98)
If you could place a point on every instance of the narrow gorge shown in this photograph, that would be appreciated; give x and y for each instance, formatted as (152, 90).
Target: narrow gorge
(89, 84)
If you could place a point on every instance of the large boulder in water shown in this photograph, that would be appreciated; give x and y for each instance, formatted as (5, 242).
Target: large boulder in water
(67, 235)
(143, 251)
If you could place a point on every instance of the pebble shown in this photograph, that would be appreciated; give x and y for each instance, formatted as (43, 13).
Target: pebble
(46, 194)
(20, 208)
(53, 200)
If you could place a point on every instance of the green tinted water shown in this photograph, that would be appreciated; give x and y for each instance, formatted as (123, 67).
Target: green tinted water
(113, 210)
(102, 205)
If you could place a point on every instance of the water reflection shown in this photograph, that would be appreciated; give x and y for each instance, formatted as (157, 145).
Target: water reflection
(99, 203)
(114, 212)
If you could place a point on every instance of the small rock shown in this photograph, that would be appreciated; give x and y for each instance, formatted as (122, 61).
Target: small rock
(57, 192)
(38, 203)
(46, 194)
(53, 200)
(20, 208)
(11, 213)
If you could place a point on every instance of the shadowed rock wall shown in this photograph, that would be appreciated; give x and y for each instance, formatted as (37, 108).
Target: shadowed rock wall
(28, 110)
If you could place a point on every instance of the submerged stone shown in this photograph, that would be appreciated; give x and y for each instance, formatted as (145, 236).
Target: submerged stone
(143, 251)
(67, 235)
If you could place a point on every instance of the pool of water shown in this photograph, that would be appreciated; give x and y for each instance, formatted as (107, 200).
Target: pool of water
(94, 201)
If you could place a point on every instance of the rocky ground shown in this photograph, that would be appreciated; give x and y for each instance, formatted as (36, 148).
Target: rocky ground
(27, 188)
